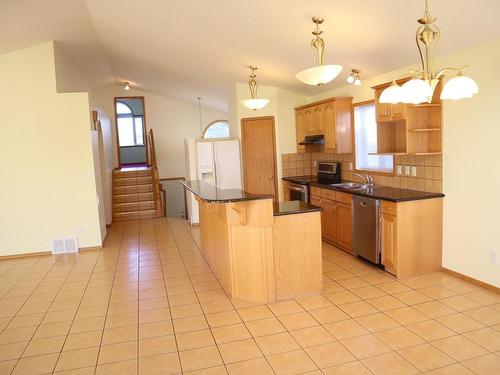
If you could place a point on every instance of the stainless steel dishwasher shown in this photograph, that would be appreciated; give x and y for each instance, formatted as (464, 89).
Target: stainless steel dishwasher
(365, 228)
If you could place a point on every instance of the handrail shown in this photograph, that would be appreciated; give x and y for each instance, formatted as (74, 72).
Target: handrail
(158, 192)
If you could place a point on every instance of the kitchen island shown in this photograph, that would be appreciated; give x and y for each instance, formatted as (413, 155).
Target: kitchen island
(259, 250)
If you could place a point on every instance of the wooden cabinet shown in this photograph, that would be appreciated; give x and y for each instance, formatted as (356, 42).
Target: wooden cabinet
(389, 241)
(411, 237)
(329, 220)
(409, 128)
(300, 125)
(344, 226)
(331, 118)
(336, 217)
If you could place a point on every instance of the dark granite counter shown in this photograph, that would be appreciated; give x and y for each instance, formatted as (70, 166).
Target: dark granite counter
(211, 194)
(385, 193)
(293, 207)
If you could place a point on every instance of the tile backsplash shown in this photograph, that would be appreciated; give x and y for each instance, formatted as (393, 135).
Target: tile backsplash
(429, 169)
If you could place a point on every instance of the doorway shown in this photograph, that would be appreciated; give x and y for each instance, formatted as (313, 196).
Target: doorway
(131, 131)
(259, 155)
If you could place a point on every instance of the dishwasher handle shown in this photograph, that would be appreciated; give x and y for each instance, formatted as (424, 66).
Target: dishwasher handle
(363, 204)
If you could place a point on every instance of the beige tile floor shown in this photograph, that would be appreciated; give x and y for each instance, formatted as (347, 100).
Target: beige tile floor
(148, 304)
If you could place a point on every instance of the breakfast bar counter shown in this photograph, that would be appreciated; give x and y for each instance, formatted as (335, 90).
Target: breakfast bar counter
(260, 251)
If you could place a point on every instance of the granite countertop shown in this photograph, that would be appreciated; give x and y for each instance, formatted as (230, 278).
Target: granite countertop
(212, 194)
(293, 207)
(386, 193)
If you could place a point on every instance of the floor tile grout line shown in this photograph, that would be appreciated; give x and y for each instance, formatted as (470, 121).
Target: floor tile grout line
(76, 312)
(34, 290)
(122, 230)
(236, 310)
(45, 314)
(192, 285)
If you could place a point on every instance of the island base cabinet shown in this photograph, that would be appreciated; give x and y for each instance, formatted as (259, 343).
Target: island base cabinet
(297, 255)
(259, 257)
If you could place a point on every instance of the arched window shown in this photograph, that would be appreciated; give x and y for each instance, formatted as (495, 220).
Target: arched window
(130, 125)
(217, 129)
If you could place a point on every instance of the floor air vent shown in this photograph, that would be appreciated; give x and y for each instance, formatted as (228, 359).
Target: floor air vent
(64, 245)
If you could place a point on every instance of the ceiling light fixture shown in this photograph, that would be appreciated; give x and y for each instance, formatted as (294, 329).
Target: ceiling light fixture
(320, 74)
(354, 77)
(127, 86)
(421, 87)
(254, 103)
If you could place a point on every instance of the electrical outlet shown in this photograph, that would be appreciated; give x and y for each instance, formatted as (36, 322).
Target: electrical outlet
(315, 163)
(398, 170)
(350, 166)
(414, 171)
(493, 257)
(407, 170)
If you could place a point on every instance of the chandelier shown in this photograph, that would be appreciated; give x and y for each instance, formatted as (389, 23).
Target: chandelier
(320, 74)
(421, 87)
(254, 103)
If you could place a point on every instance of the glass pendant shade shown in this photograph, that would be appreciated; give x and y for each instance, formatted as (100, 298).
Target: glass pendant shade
(459, 87)
(357, 82)
(255, 103)
(319, 75)
(392, 94)
(416, 91)
(350, 79)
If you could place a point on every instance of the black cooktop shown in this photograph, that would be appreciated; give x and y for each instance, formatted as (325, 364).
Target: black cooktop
(302, 180)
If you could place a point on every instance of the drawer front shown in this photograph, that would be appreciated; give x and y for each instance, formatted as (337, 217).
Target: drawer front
(314, 190)
(315, 201)
(389, 208)
(329, 194)
(345, 198)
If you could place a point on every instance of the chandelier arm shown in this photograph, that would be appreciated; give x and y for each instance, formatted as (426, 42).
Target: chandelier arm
(436, 44)
(443, 71)
(420, 49)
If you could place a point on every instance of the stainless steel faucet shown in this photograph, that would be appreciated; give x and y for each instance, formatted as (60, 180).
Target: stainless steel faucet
(367, 179)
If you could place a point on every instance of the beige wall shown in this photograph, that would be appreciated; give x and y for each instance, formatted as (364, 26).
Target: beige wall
(48, 184)
(471, 155)
(172, 121)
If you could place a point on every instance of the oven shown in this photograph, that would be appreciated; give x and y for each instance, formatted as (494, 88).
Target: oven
(299, 192)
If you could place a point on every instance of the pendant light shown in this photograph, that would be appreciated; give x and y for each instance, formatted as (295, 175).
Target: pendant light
(199, 115)
(127, 86)
(254, 103)
(320, 74)
(421, 87)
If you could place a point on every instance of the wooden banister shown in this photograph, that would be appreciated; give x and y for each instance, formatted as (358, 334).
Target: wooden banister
(158, 192)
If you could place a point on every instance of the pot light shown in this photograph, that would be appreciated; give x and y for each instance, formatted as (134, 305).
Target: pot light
(320, 74)
(420, 89)
(254, 103)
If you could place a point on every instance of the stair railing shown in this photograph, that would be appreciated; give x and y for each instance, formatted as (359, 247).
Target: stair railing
(158, 192)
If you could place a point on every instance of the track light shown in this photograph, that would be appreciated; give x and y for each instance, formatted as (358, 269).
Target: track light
(354, 77)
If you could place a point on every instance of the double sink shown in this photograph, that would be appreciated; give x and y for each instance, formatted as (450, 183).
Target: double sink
(352, 185)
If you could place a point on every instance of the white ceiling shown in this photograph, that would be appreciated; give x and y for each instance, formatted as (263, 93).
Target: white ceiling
(189, 48)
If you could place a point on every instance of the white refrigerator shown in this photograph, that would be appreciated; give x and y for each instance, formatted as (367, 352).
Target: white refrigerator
(216, 162)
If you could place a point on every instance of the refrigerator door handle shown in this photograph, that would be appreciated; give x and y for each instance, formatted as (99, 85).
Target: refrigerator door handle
(214, 153)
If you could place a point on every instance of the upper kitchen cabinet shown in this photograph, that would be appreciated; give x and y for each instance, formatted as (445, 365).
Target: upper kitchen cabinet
(409, 128)
(331, 118)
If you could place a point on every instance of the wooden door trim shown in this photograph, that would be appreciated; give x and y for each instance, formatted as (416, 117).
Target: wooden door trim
(116, 98)
(276, 197)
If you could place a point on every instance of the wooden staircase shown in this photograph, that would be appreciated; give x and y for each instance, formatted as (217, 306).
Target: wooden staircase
(137, 192)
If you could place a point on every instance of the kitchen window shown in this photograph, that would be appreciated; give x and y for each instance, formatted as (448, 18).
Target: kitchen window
(365, 139)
